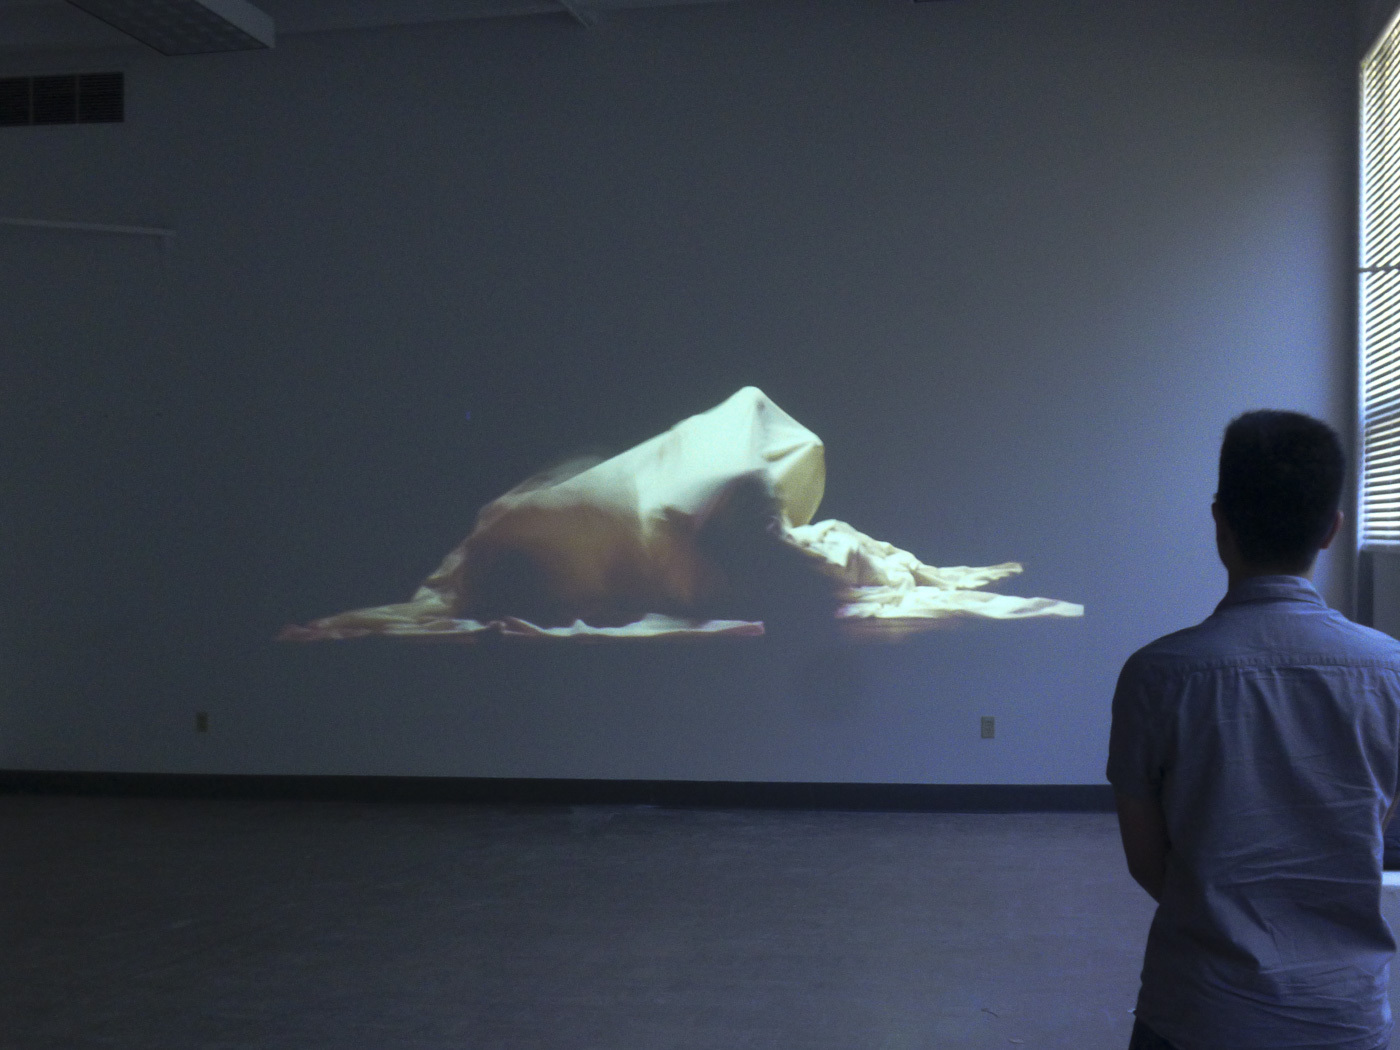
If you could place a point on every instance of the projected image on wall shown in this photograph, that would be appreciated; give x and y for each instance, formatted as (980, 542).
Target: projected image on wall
(705, 530)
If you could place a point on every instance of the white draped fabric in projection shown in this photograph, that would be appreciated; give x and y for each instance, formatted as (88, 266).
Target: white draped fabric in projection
(664, 539)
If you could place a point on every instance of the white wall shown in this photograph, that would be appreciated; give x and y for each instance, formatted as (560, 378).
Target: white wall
(1373, 16)
(1017, 263)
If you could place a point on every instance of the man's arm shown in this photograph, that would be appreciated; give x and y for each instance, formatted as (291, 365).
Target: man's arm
(1145, 844)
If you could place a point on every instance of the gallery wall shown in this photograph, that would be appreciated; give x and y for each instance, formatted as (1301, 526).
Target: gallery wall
(1016, 263)
(1373, 16)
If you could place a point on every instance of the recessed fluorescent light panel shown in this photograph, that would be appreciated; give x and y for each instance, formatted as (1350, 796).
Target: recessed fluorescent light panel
(186, 27)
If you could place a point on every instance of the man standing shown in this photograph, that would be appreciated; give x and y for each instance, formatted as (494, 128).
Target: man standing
(1255, 759)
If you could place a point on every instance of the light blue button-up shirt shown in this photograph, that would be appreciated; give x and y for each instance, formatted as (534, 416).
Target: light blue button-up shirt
(1271, 735)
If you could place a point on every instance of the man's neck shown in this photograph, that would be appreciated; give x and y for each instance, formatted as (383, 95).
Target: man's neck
(1239, 574)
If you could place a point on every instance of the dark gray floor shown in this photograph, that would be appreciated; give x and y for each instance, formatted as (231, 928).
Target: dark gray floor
(189, 925)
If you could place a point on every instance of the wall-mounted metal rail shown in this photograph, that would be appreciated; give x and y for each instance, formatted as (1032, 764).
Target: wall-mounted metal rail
(92, 227)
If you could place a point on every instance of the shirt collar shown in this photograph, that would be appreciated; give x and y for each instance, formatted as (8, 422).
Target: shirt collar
(1271, 589)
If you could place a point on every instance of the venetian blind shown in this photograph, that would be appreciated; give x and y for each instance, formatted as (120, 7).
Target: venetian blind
(1380, 292)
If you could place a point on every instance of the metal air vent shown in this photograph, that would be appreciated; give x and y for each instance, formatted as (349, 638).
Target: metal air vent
(81, 98)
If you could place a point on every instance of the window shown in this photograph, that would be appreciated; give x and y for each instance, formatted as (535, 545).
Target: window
(1379, 524)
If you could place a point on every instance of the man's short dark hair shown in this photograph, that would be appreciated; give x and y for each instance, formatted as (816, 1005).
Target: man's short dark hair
(1281, 476)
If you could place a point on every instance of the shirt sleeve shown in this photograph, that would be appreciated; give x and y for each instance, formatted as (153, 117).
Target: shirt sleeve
(1135, 747)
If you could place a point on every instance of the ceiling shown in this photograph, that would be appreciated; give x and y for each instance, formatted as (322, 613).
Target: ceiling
(41, 25)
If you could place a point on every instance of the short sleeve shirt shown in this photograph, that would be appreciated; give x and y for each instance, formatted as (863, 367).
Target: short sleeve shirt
(1270, 733)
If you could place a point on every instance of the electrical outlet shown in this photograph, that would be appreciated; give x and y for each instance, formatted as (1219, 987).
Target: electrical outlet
(989, 727)
(201, 721)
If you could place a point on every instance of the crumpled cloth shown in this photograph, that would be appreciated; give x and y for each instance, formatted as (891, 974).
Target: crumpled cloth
(614, 549)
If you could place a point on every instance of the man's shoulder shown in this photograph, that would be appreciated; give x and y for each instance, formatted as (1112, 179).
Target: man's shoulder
(1367, 641)
(1318, 636)
(1177, 650)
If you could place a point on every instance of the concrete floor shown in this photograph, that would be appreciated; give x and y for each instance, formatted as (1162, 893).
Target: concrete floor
(198, 925)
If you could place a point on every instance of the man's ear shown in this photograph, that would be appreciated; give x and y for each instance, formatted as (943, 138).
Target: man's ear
(1222, 529)
(1224, 539)
(1332, 532)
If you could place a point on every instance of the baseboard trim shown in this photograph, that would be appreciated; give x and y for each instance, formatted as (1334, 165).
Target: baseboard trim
(723, 794)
